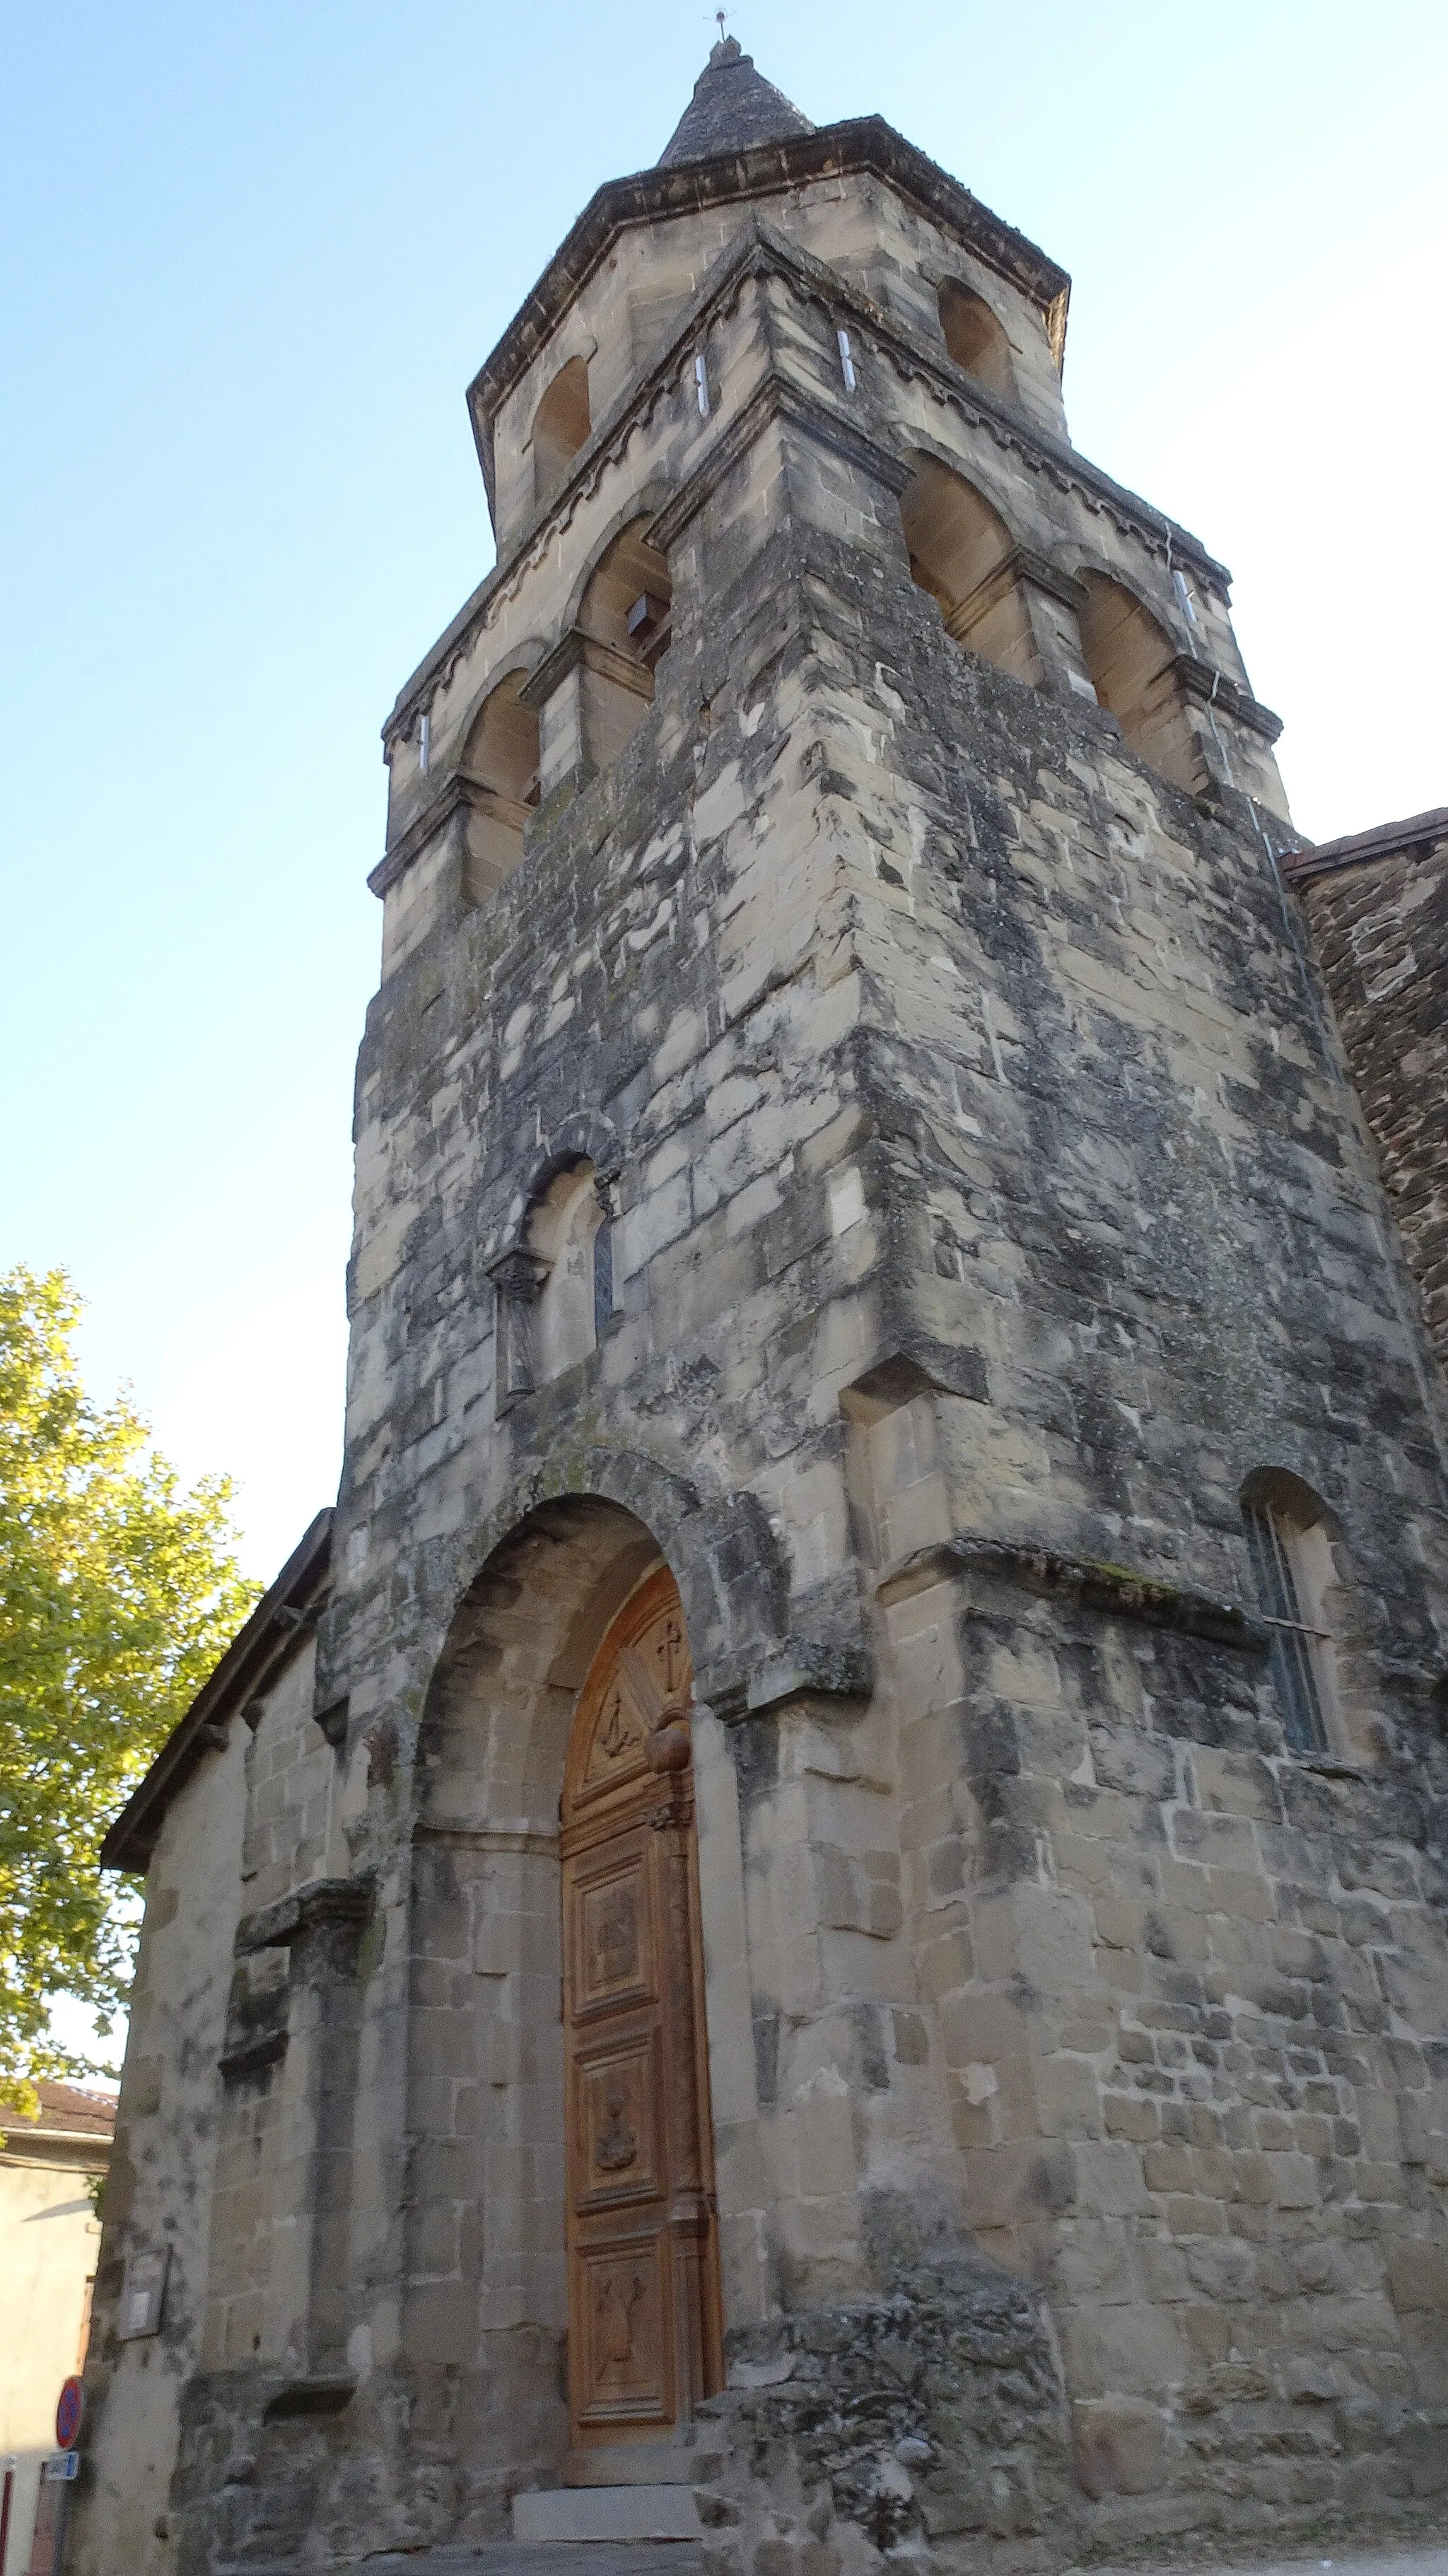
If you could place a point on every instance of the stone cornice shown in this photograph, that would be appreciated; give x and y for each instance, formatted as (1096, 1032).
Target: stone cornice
(1211, 687)
(1112, 1591)
(776, 397)
(319, 1902)
(762, 251)
(577, 648)
(856, 145)
(457, 790)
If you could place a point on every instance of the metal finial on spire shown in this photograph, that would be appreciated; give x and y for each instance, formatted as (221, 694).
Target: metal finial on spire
(733, 108)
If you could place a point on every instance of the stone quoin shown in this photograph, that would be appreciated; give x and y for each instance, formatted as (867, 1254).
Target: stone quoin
(813, 1921)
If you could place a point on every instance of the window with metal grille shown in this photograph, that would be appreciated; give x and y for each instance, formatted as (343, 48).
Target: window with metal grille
(602, 1279)
(1293, 1640)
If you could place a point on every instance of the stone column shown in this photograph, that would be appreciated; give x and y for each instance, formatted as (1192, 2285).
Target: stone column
(689, 2213)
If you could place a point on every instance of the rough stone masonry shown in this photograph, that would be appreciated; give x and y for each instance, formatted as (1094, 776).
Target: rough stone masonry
(850, 1116)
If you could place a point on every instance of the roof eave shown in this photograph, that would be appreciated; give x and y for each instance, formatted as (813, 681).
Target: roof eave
(858, 143)
(132, 1838)
(1417, 834)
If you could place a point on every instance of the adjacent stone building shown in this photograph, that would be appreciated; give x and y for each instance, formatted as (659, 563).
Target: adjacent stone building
(1377, 907)
(52, 2161)
(815, 1920)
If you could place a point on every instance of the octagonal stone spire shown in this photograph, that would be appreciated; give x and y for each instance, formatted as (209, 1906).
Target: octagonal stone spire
(732, 108)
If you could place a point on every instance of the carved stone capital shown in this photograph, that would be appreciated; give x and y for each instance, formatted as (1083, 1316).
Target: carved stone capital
(519, 1274)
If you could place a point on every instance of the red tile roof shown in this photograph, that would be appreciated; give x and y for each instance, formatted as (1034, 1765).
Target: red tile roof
(65, 2111)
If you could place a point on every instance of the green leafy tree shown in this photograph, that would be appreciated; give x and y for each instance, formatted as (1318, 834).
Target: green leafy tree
(118, 1593)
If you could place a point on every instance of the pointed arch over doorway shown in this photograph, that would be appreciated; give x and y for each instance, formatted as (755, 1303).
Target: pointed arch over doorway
(644, 2304)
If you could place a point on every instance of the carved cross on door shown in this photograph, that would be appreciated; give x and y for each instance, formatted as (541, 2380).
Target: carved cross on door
(670, 1652)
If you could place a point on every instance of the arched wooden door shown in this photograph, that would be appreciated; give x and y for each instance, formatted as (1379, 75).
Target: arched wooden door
(644, 2339)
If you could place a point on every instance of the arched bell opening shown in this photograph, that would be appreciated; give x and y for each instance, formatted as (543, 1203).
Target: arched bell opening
(962, 552)
(500, 763)
(626, 614)
(976, 340)
(1131, 662)
(562, 424)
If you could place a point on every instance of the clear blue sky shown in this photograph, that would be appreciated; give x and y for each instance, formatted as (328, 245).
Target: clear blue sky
(254, 254)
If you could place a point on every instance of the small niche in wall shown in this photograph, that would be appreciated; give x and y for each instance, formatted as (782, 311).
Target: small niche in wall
(555, 1290)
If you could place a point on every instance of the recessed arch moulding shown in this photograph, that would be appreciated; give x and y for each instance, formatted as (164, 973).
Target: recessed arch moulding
(455, 1817)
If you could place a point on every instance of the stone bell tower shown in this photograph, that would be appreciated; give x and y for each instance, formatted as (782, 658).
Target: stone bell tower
(872, 1956)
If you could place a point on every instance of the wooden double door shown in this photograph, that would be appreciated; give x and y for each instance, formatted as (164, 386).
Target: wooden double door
(644, 2328)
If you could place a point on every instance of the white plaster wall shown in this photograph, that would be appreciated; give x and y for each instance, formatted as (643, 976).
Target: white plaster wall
(49, 2240)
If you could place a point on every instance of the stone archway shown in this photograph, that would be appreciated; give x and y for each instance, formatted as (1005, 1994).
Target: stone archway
(644, 2308)
(485, 2302)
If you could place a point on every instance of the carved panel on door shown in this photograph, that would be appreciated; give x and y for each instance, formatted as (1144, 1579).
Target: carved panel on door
(612, 1936)
(626, 2373)
(644, 2341)
(616, 1752)
(618, 2127)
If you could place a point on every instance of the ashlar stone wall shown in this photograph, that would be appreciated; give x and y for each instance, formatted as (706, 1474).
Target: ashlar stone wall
(1379, 927)
(987, 1204)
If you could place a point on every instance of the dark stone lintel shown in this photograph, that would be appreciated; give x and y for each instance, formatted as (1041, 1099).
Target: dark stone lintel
(313, 2396)
(267, 2049)
(838, 1682)
(321, 1901)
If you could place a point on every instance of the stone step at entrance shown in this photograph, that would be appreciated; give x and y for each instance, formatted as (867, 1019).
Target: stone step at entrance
(688, 2461)
(540, 2558)
(643, 2510)
(637, 2492)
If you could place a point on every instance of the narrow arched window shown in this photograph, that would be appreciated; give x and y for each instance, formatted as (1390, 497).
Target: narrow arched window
(1301, 1596)
(562, 424)
(500, 767)
(963, 553)
(1131, 663)
(976, 340)
(602, 1279)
